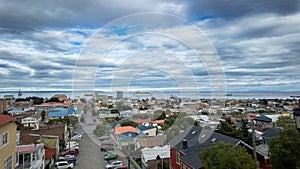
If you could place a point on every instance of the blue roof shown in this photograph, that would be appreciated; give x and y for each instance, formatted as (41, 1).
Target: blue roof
(61, 112)
(17, 111)
(144, 128)
(58, 114)
(128, 136)
(71, 110)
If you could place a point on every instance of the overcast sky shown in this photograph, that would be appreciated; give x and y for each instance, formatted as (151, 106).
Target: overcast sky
(150, 44)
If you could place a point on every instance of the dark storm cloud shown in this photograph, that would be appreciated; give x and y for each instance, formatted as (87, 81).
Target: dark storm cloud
(234, 8)
(56, 13)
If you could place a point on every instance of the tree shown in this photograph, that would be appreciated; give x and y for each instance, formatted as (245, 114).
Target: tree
(226, 156)
(53, 99)
(82, 119)
(140, 116)
(129, 123)
(284, 150)
(100, 129)
(286, 122)
(159, 115)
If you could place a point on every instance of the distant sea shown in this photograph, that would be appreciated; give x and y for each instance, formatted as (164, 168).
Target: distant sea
(160, 95)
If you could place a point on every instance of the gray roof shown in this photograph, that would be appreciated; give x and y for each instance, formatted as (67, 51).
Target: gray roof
(270, 133)
(198, 139)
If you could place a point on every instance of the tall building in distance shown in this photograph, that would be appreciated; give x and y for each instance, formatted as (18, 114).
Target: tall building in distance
(120, 95)
(3, 105)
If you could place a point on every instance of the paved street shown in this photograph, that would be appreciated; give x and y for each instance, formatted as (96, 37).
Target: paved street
(90, 156)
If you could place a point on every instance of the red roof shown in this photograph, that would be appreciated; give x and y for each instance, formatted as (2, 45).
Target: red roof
(49, 153)
(141, 121)
(4, 119)
(124, 129)
(158, 121)
(27, 148)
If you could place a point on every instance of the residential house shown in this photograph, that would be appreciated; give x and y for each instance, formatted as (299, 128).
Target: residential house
(7, 142)
(50, 157)
(149, 157)
(32, 121)
(126, 114)
(125, 135)
(59, 130)
(9, 97)
(185, 148)
(269, 134)
(63, 112)
(149, 130)
(3, 105)
(31, 156)
(51, 144)
(149, 141)
(49, 105)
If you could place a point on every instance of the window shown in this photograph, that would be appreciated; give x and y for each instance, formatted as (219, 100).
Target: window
(33, 157)
(8, 163)
(178, 158)
(5, 139)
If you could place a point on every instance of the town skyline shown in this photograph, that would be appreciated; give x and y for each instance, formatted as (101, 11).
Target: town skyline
(43, 47)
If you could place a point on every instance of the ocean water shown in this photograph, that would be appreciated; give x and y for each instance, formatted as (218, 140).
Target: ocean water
(160, 94)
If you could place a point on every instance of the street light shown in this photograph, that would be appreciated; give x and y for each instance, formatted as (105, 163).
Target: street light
(296, 114)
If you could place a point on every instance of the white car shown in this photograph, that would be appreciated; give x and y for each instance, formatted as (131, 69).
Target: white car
(72, 143)
(76, 137)
(72, 147)
(64, 165)
(114, 164)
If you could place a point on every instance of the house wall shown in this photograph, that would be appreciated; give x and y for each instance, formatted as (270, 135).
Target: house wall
(3, 105)
(150, 132)
(174, 153)
(153, 164)
(10, 148)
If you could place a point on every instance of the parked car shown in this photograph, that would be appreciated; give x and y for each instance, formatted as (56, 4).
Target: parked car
(69, 152)
(110, 156)
(106, 147)
(72, 143)
(64, 165)
(103, 138)
(69, 158)
(114, 164)
(76, 137)
(72, 147)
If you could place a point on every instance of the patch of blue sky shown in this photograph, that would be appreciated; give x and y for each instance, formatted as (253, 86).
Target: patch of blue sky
(76, 43)
(119, 30)
(84, 34)
(202, 18)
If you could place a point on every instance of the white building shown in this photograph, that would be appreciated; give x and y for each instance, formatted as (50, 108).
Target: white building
(149, 156)
(31, 156)
(32, 121)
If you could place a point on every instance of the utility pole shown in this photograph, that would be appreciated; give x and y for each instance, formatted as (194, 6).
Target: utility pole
(254, 142)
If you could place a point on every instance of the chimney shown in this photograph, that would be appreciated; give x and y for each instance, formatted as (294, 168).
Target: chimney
(184, 144)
